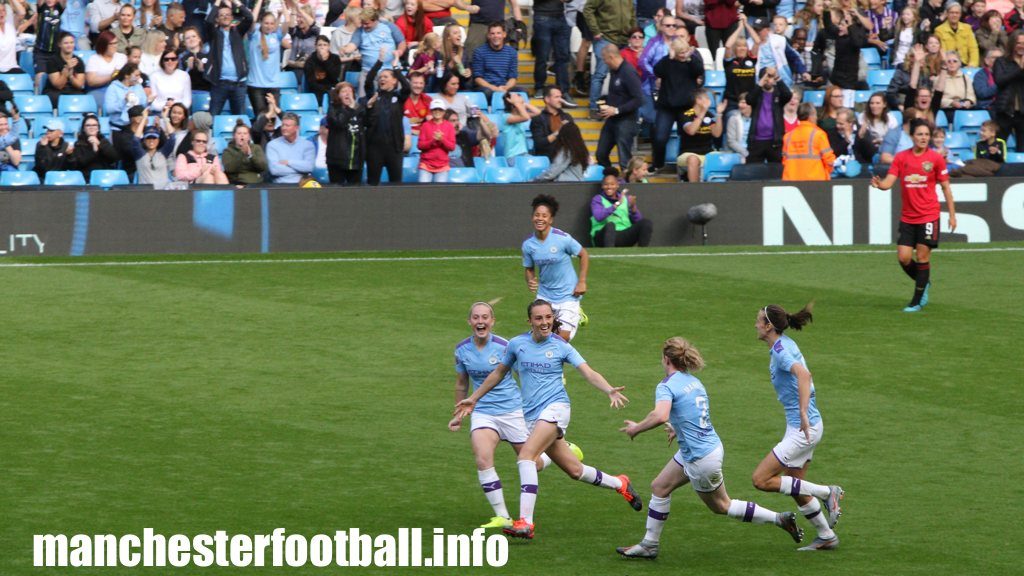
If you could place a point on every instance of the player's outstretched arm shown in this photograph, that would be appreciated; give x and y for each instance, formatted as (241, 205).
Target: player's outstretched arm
(948, 193)
(465, 407)
(883, 183)
(655, 418)
(598, 381)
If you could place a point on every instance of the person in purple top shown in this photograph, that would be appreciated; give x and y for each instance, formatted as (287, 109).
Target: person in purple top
(767, 99)
(615, 221)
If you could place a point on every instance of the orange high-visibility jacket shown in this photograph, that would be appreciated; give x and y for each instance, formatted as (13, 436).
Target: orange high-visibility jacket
(806, 154)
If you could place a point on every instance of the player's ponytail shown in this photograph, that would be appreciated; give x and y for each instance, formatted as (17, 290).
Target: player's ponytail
(779, 319)
(683, 355)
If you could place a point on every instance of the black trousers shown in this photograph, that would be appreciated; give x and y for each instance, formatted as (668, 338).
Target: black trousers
(122, 141)
(377, 159)
(1015, 124)
(637, 234)
(340, 175)
(764, 151)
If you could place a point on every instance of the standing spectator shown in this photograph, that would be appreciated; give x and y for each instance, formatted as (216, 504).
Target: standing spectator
(455, 61)
(546, 125)
(480, 23)
(975, 13)
(48, 37)
(437, 141)
(655, 51)
(375, 41)
(430, 62)
(323, 69)
(264, 58)
(194, 59)
(610, 22)
(985, 82)
(342, 35)
(807, 154)
(199, 165)
(10, 21)
(227, 68)
(53, 153)
(615, 221)
(958, 36)
(519, 114)
(551, 33)
(414, 23)
(620, 108)
(385, 136)
(810, 19)
(102, 14)
(65, 72)
(574, 16)
(174, 26)
(153, 154)
(849, 33)
(932, 12)
(125, 31)
(569, 156)
(72, 20)
(690, 14)
(267, 125)
(290, 158)
(647, 11)
(346, 136)
(701, 126)
(496, 65)
(92, 151)
(905, 36)
(417, 106)
(990, 34)
(882, 20)
(767, 99)
(170, 84)
(740, 69)
(244, 160)
(737, 126)
(150, 16)
(680, 73)
(304, 33)
(10, 146)
(1009, 102)
(721, 20)
(759, 8)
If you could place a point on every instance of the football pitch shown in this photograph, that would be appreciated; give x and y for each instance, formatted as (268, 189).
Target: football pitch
(312, 393)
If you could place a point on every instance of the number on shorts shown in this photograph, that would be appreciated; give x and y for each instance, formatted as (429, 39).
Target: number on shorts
(928, 229)
(702, 405)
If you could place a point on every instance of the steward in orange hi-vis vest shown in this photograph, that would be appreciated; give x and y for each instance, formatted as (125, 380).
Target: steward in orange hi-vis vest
(806, 154)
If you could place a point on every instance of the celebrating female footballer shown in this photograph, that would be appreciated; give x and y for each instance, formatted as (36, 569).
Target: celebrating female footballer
(538, 356)
(547, 259)
(784, 468)
(681, 400)
(497, 417)
(918, 169)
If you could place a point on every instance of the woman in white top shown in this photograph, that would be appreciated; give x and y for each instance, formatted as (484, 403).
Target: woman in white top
(10, 18)
(100, 68)
(455, 101)
(170, 83)
(153, 46)
(876, 117)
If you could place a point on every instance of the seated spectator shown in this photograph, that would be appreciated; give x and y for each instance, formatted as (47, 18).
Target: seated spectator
(413, 23)
(985, 81)
(834, 98)
(881, 32)
(701, 125)
(244, 160)
(346, 134)
(634, 48)
(476, 137)
(456, 102)
(436, 142)
(170, 84)
(976, 11)
(938, 144)
(809, 18)
(323, 70)
(417, 106)
(304, 33)
(958, 93)
(153, 46)
(174, 26)
(92, 151)
(174, 121)
(789, 118)
(197, 165)
(125, 30)
(876, 118)
(452, 45)
(957, 36)
(569, 156)
(194, 59)
(737, 127)
(124, 92)
(519, 115)
(636, 170)
(153, 153)
(10, 145)
(852, 144)
(615, 220)
(10, 21)
(806, 151)
(53, 153)
(290, 158)
(319, 141)
(545, 126)
(926, 103)
(149, 16)
(65, 72)
(430, 62)
(264, 57)
(1014, 19)
(495, 65)
(991, 33)
(897, 140)
(267, 125)
(989, 154)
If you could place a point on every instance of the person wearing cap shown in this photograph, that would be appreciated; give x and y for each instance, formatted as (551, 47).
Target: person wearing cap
(92, 151)
(152, 151)
(437, 140)
(52, 151)
(289, 157)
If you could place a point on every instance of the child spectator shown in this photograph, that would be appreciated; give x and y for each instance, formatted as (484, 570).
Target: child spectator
(989, 154)
(437, 140)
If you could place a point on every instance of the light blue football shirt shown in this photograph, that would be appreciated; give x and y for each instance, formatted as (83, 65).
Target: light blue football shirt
(263, 73)
(478, 365)
(690, 416)
(553, 260)
(539, 365)
(784, 353)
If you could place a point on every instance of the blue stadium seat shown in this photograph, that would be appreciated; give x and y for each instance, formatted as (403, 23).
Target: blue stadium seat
(414, 149)
(969, 121)
(672, 149)
(482, 165)
(410, 174)
(1015, 157)
(28, 153)
(960, 145)
(26, 62)
(287, 82)
(105, 126)
(714, 80)
(941, 121)
(879, 79)
(299, 103)
(19, 83)
(64, 178)
(84, 55)
(108, 178)
(410, 161)
(897, 115)
(593, 173)
(463, 175)
(816, 97)
(38, 109)
(200, 102)
(506, 175)
(309, 124)
(718, 165)
(76, 104)
(321, 175)
(225, 123)
(478, 99)
(532, 166)
(871, 57)
(970, 71)
(497, 102)
(862, 96)
(353, 79)
(11, 178)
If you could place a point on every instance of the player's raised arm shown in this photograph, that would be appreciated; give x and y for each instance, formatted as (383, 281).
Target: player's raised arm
(597, 381)
(465, 407)
(657, 417)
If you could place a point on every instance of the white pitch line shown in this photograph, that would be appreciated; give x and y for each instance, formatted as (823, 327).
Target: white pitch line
(469, 258)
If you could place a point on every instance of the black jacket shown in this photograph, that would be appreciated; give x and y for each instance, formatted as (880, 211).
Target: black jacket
(1010, 83)
(846, 69)
(346, 136)
(863, 149)
(678, 81)
(52, 158)
(780, 96)
(384, 118)
(215, 40)
(540, 128)
(86, 159)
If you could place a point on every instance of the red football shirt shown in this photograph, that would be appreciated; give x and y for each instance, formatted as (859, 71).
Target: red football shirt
(919, 175)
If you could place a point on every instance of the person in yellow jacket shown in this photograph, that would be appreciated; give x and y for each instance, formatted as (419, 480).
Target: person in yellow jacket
(806, 154)
(958, 36)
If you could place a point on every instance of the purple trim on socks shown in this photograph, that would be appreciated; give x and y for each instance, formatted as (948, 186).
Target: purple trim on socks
(749, 514)
(597, 478)
(491, 486)
(795, 491)
(657, 515)
(812, 514)
(529, 488)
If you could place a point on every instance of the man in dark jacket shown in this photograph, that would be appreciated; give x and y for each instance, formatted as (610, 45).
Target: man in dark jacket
(767, 99)
(53, 152)
(545, 126)
(620, 110)
(227, 70)
(385, 137)
(1009, 103)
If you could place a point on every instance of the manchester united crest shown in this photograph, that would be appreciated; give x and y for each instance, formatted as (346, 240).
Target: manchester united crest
(927, 166)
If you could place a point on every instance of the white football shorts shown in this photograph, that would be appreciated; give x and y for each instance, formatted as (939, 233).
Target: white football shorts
(510, 426)
(557, 413)
(793, 451)
(705, 473)
(568, 314)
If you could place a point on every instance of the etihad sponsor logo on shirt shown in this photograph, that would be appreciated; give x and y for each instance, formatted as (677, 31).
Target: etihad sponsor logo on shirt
(534, 365)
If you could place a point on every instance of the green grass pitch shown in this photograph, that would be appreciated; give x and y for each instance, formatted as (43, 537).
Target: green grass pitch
(314, 396)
